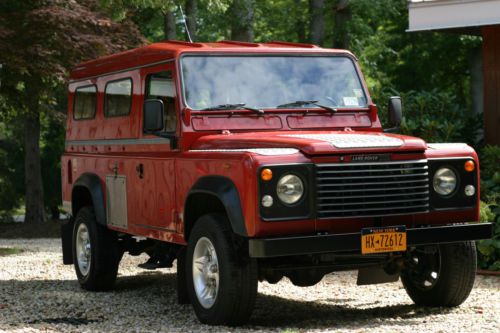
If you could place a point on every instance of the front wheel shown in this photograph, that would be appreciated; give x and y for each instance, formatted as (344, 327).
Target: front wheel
(222, 284)
(441, 275)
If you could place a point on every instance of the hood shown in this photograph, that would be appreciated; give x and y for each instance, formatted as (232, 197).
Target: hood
(313, 143)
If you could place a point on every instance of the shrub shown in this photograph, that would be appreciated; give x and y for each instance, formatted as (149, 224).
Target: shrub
(489, 158)
(437, 116)
(489, 249)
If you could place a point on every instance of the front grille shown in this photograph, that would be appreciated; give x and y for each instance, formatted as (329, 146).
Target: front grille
(372, 189)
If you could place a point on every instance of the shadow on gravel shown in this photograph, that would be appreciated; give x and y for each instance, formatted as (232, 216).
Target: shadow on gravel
(153, 296)
(272, 311)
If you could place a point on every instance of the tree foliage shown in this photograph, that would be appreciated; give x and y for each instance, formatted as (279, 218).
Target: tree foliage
(40, 40)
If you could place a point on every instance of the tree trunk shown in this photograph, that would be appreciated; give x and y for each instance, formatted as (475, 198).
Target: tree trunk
(317, 24)
(35, 212)
(343, 15)
(300, 24)
(242, 12)
(191, 15)
(169, 26)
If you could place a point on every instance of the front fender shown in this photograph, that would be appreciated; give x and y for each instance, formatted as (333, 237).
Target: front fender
(225, 190)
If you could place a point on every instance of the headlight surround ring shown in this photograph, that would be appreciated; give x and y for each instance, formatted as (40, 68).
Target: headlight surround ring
(290, 189)
(445, 181)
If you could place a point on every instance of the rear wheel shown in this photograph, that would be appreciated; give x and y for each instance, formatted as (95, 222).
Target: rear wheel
(96, 254)
(222, 284)
(441, 275)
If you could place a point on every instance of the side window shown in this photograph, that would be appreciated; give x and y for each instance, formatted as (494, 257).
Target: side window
(85, 102)
(161, 86)
(118, 98)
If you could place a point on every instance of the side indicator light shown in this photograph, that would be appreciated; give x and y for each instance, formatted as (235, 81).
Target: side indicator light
(266, 174)
(469, 166)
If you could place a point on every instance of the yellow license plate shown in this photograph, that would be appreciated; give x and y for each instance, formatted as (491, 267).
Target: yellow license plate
(383, 239)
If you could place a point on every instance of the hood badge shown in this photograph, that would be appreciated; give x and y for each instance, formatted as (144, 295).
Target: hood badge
(370, 158)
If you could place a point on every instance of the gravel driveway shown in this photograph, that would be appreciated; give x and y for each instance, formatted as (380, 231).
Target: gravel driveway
(38, 293)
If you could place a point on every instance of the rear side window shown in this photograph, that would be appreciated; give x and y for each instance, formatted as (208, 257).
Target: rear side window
(118, 98)
(85, 102)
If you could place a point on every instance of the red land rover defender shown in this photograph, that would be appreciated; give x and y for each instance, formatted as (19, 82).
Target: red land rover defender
(250, 162)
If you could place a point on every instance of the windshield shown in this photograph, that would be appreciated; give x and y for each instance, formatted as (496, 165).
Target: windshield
(271, 81)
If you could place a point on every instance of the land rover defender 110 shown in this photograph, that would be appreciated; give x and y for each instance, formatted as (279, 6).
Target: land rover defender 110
(248, 162)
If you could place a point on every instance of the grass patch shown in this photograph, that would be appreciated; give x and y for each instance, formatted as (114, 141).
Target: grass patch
(8, 251)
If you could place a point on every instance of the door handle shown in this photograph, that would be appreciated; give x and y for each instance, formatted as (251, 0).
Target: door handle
(140, 170)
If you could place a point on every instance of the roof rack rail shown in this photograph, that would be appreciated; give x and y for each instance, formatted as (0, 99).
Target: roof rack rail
(235, 42)
(310, 46)
(180, 42)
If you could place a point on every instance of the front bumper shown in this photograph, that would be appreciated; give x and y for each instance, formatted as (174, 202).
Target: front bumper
(301, 245)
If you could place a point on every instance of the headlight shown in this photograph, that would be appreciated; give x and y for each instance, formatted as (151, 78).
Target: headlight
(290, 189)
(445, 181)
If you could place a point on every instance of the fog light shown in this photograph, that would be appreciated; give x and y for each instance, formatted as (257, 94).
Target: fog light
(267, 201)
(470, 190)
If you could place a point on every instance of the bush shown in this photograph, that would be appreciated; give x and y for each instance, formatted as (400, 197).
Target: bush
(489, 158)
(489, 249)
(437, 116)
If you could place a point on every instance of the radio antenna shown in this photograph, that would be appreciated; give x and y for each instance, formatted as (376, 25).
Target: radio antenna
(185, 24)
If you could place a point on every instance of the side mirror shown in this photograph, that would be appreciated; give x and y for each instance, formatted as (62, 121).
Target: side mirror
(395, 113)
(153, 115)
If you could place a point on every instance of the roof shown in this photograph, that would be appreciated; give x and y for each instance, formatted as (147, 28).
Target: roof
(463, 16)
(167, 50)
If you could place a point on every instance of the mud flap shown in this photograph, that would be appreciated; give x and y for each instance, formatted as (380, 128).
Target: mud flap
(182, 293)
(67, 239)
(375, 275)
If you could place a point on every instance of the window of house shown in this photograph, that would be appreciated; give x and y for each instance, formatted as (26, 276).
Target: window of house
(118, 98)
(161, 86)
(85, 102)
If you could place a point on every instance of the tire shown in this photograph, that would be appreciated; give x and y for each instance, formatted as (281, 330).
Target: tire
(233, 283)
(97, 268)
(443, 278)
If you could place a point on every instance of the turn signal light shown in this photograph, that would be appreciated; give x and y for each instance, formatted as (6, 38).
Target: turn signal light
(469, 166)
(266, 174)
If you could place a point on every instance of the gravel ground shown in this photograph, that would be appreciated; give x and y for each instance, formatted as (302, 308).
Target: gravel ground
(39, 294)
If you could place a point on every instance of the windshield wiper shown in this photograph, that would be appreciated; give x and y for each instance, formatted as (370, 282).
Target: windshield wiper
(304, 103)
(234, 106)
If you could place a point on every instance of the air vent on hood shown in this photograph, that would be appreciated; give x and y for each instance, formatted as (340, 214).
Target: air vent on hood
(351, 140)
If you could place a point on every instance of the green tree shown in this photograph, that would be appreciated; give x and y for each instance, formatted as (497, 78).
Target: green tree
(124, 9)
(36, 56)
(242, 20)
(317, 22)
(159, 19)
(191, 17)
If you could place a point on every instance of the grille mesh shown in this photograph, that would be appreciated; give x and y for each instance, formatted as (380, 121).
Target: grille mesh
(372, 189)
